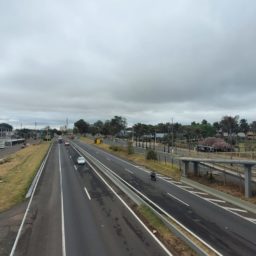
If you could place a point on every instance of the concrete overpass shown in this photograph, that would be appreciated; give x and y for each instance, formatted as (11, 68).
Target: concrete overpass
(248, 164)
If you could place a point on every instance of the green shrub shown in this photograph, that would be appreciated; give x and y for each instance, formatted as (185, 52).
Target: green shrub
(151, 155)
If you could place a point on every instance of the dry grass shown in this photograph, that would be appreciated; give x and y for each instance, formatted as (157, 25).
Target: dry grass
(17, 173)
(139, 159)
(176, 245)
(228, 188)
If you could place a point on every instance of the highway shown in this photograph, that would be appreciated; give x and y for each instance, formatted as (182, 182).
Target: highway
(73, 212)
(224, 230)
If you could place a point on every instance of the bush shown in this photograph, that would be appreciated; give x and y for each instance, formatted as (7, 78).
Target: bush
(151, 155)
(115, 148)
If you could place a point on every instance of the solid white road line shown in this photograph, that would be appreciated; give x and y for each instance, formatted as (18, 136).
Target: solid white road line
(214, 200)
(252, 220)
(177, 199)
(128, 170)
(167, 178)
(87, 193)
(235, 209)
(28, 207)
(62, 211)
(75, 167)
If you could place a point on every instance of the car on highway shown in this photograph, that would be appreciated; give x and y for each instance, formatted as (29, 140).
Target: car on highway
(66, 143)
(80, 160)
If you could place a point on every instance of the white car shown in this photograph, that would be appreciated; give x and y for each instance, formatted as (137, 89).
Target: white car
(80, 160)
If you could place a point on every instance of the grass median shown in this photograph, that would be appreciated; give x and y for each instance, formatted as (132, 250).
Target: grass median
(17, 173)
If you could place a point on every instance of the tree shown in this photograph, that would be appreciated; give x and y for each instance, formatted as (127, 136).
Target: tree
(117, 124)
(244, 126)
(6, 127)
(82, 126)
(229, 124)
(253, 126)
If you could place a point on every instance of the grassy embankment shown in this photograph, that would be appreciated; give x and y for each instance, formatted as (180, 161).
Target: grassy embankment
(170, 240)
(160, 167)
(17, 173)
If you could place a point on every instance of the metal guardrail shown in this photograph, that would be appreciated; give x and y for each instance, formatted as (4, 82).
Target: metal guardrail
(139, 199)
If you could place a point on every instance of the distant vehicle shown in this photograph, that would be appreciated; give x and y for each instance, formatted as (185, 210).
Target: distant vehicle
(81, 160)
(60, 140)
(66, 143)
(203, 148)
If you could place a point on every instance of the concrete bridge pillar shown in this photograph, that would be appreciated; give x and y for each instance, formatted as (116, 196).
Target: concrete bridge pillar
(185, 170)
(196, 168)
(247, 180)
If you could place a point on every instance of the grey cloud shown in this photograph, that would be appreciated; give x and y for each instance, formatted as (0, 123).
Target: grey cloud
(144, 60)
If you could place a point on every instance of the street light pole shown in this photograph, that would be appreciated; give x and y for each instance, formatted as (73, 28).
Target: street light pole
(172, 136)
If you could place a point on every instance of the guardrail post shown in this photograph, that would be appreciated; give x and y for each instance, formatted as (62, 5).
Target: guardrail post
(247, 180)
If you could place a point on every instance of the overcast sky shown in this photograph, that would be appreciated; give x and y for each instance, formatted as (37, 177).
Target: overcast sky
(145, 60)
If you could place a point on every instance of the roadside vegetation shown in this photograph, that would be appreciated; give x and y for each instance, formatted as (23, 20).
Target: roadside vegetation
(17, 172)
(155, 224)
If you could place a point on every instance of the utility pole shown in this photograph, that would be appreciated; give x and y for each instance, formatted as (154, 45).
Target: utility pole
(172, 137)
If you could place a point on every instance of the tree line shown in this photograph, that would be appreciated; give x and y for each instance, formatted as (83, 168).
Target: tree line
(118, 124)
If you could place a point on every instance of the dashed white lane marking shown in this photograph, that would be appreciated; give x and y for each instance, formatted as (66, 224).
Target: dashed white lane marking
(176, 182)
(108, 158)
(234, 209)
(198, 192)
(70, 157)
(214, 200)
(186, 187)
(177, 199)
(75, 167)
(87, 193)
(141, 168)
(128, 170)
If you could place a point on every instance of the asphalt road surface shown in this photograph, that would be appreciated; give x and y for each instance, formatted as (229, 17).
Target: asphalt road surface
(225, 231)
(74, 212)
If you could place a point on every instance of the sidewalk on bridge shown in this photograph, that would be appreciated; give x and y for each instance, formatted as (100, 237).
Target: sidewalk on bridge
(224, 196)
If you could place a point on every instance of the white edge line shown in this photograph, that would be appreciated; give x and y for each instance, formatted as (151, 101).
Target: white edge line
(87, 193)
(177, 199)
(29, 203)
(188, 230)
(75, 167)
(62, 211)
(131, 211)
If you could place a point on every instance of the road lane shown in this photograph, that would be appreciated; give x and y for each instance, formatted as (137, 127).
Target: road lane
(228, 233)
(102, 225)
(41, 234)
